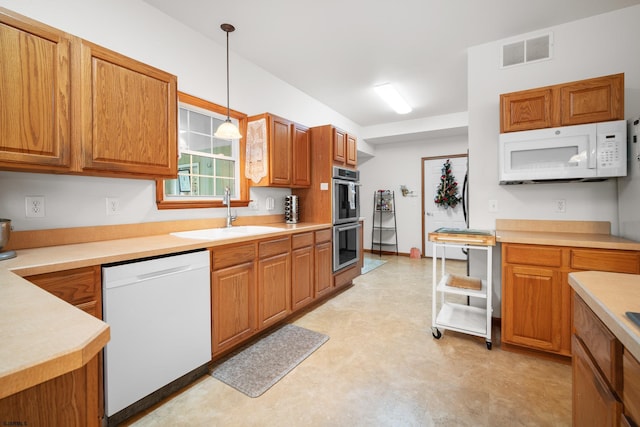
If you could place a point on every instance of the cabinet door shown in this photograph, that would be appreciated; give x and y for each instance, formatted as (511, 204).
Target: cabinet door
(323, 269)
(274, 289)
(352, 151)
(129, 116)
(593, 100)
(593, 402)
(35, 111)
(233, 305)
(339, 146)
(532, 307)
(67, 400)
(525, 110)
(631, 387)
(301, 156)
(280, 151)
(302, 290)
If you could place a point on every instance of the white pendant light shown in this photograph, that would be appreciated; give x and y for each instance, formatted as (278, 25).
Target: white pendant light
(227, 130)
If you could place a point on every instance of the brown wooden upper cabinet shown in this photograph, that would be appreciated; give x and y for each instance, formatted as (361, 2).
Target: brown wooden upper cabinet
(35, 83)
(129, 115)
(344, 149)
(586, 101)
(70, 106)
(288, 152)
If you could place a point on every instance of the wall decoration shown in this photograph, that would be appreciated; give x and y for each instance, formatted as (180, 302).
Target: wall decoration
(256, 155)
(447, 194)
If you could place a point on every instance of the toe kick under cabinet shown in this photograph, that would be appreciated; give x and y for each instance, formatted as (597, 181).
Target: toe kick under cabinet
(450, 301)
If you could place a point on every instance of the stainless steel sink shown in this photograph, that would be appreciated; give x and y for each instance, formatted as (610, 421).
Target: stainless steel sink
(227, 232)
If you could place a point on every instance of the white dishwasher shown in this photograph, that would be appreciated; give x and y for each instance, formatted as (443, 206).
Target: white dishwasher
(159, 312)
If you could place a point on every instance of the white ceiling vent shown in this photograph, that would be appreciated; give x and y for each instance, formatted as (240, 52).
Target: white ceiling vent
(539, 48)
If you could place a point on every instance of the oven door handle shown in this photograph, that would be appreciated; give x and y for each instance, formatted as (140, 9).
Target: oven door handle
(345, 181)
(345, 227)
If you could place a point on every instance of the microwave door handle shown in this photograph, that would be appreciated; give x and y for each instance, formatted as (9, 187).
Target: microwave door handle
(593, 151)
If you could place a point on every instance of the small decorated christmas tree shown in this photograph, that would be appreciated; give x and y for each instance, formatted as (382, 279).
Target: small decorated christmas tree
(447, 192)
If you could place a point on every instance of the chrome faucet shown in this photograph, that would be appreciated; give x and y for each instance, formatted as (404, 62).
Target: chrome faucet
(226, 200)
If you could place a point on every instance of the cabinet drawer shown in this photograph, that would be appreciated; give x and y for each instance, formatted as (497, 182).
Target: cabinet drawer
(594, 403)
(274, 247)
(603, 346)
(77, 286)
(232, 255)
(533, 255)
(323, 235)
(631, 387)
(614, 261)
(301, 240)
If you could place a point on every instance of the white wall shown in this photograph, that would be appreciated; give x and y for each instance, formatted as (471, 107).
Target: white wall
(629, 193)
(401, 164)
(592, 47)
(137, 30)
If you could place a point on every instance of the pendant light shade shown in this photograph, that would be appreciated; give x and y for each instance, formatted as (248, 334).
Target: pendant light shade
(227, 130)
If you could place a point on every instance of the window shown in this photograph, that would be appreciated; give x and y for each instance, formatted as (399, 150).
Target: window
(207, 165)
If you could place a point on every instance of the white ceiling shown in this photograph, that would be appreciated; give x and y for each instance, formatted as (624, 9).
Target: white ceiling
(337, 50)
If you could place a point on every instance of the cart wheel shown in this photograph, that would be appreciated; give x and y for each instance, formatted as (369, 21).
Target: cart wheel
(436, 333)
(488, 345)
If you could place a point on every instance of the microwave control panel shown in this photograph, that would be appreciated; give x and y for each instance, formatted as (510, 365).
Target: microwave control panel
(611, 151)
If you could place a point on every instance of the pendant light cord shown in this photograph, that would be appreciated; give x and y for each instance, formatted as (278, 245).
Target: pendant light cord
(228, 115)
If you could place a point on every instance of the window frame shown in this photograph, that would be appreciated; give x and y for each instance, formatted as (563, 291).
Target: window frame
(243, 199)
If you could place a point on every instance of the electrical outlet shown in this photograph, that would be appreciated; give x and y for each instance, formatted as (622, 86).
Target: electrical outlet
(270, 202)
(493, 206)
(560, 205)
(113, 206)
(34, 206)
(253, 205)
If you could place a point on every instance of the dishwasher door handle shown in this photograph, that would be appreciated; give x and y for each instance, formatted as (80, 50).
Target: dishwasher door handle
(156, 274)
(162, 273)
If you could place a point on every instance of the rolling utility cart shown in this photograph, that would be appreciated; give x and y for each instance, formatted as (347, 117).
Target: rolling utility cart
(452, 315)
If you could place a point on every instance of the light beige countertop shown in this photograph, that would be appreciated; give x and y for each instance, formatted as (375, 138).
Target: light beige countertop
(584, 234)
(580, 240)
(610, 296)
(42, 336)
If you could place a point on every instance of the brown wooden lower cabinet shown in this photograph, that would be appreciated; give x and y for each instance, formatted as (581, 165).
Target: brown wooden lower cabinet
(631, 387)
(75, 398)
(302, 270)
(69, 400)
(233, 313)
(594, 404)
(323, 263)
(536, 296)
(258, 284)
(274, 281)
(606, 377)
(233, 296)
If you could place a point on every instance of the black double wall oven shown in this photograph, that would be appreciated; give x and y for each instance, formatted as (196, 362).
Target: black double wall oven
(346, 215)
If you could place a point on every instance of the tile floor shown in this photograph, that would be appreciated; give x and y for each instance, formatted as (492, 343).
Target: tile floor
(382, 367)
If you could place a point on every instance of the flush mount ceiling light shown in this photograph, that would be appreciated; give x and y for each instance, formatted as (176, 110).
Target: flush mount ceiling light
(393, 98)
(227, 130)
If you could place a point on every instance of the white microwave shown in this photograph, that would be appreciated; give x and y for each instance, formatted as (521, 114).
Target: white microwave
(591, 152)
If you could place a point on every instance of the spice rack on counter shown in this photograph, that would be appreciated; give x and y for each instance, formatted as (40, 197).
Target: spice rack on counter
(384, 231)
